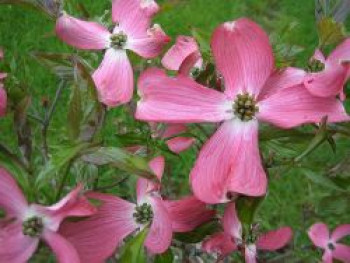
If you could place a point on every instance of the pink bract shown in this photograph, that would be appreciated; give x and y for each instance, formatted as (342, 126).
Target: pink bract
(321, 237)
(331, 79)
(232, 236)
(3, 95)
(97, 237)
(18, 240)
(183, 56)
(114, 77)
(254, 92)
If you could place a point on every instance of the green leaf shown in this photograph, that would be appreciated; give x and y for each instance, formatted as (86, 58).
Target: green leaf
(62, 156)
(321, 136)
(199, 233)
(330, 32)
(75, 114)
(203, 43)
(321, 179)
(247, 208)
(133, 251)
(121, 159)
(166, 257)
(334, 205)
(49, 7)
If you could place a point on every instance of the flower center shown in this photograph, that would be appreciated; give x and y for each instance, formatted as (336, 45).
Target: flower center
(118, 41)
(33, 226)
(195, 72)
(315, 66)
(245, 107)
(143, 214)
(331, 246)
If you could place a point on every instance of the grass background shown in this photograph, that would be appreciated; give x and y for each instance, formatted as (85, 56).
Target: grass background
(293, 199)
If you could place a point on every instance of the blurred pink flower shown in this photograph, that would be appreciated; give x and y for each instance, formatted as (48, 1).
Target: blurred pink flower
(184, 56)
(3, 95)
(254, 92)
(114, 78)
(335, 71)
(26, 224)
(97, 237)
(320, 236)
(230, 240)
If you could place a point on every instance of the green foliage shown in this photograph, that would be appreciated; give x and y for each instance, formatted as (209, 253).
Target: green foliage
(134, 251)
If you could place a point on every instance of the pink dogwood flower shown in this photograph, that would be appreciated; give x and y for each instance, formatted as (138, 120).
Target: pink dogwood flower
(97, 237)
(3, 95)
(184, 56)
(320, 236)
(24, 225)
(335, 71)
(230, 240)
(114, 78)
(254, 92)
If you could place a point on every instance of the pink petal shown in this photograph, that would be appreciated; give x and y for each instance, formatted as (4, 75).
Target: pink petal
(14, 246)
(159, 237)
(327, 83)
(188, 213)
(114, 78)
(175, 56)
(64, 251)
(342, 252)
(179, 100)
(327, 256)
(3, 101)
(194, 60)
(157, 165)
(11, 197)
(144, 186)
(229, 162)
(243, 56)
(133, 16)
(318, 55)
(250, 254)
(319, 235)
(220, 243)
(151, 44)
(72, 205)
(231, 222)
(276, 239)
(97, 237)
(174, 129)
(341, 53)
(279, 80)
(180, 144)
(82, 34)
(340, 232)
(295, 106)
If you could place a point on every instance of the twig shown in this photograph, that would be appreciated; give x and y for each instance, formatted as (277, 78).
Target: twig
(47, 120)
(13, 157)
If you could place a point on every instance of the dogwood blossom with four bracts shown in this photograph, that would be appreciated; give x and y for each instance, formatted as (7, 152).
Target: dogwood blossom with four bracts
(97, 237)
(3, 95)
(231, 239)
(331, 73)
(114, 78)
(320, 236)
(254, 92)
(26, 224)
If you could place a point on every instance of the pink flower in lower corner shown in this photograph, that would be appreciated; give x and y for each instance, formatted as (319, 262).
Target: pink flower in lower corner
(184, 56)
(331, 73)
(97, 237)
(254, 92)
(24, 225)
(320, 236)
(230, 240)
(3, 95)
(114, 78)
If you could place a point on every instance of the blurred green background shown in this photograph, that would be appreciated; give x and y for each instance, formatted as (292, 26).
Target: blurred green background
(294, 198)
